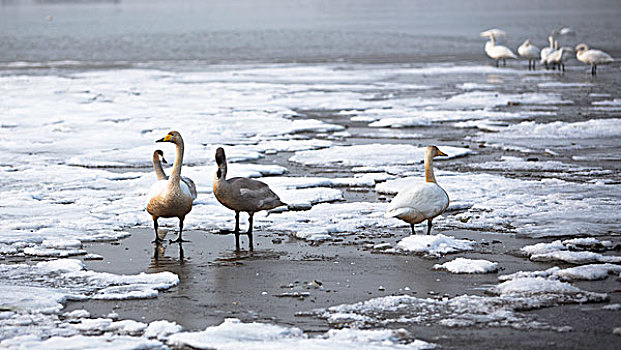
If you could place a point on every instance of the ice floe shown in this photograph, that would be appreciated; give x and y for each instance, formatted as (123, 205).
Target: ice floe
(549, 132)
(69, 278)
(590, 272)
(463, 265)
(34, 295)
(437, 245)
(500, 310)
(234, 334)
(371, 155)
(571, 251)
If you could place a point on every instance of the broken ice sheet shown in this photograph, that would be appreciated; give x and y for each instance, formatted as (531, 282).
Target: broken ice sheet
(499, 310)
(573, 251)
(463, 265)
(234, 334)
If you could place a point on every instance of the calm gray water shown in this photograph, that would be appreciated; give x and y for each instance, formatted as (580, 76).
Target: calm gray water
(216, 31)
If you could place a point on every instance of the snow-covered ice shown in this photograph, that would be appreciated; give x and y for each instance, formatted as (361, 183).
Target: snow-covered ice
(573, 251)
(437, 245)
(463, 265)
(500, 310)
(371, 155)
(590, 272)
(234, 334)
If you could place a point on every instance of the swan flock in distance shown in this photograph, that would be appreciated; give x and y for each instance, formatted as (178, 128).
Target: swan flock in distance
(551, 56)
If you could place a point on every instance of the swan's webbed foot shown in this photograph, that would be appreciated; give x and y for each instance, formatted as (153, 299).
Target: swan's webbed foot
(157, 241)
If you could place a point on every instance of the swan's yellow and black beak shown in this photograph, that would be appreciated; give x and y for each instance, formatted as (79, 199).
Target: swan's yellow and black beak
(440, 153)
(166, 138)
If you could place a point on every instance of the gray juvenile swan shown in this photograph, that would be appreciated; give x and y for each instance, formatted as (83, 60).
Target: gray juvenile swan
(242, 194)
(423, 201)
(158, 159)
(170, 198)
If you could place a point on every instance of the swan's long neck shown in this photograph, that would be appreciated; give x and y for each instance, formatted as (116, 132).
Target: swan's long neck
(429, 176)
(551, 41)
(157, 166)
(175, 176)
(222, 168)
(491, 38)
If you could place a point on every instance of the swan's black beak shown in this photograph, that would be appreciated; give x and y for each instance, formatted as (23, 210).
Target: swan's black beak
(164, 160)
(165, 139)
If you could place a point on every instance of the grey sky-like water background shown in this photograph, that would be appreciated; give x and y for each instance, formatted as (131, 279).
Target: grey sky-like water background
(289, 31)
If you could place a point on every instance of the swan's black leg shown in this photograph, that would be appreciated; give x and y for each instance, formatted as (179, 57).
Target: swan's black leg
(534, 64)
(504, 62)
(412, 227)
(249, 233)
(497, 64)
(179, 238)
(236, 232)
(429, 226)
(157, 239)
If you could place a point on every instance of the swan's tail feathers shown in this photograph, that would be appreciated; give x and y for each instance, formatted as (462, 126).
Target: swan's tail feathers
(397, 212)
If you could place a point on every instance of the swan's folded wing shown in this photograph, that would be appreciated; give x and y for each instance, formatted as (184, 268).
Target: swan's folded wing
(256, 193)
(191, 186)
(428, 199)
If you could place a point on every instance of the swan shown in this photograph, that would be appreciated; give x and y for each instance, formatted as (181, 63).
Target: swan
(497, 52)
(592, 57)
(558, 58)
(423, 201)
(242, 194)
(546, 51)
(158, 159)
(170, 198)
(530, 52)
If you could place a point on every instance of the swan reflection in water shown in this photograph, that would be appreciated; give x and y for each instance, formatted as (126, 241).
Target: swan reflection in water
(159, 259)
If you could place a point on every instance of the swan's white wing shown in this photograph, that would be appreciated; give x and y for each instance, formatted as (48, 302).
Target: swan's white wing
(156, 189)
(529, 51)
(190, 185)
(596, 56)
(545, 52)
(187, 191)
(500, 51)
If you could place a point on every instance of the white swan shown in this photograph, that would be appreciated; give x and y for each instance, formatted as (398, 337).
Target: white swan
(242, 194)
(592, 57)
(558, 58)
(423, 201)
(170, 198)
(546, 51)
(496, 52)
(530, 52)
(158, 159)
